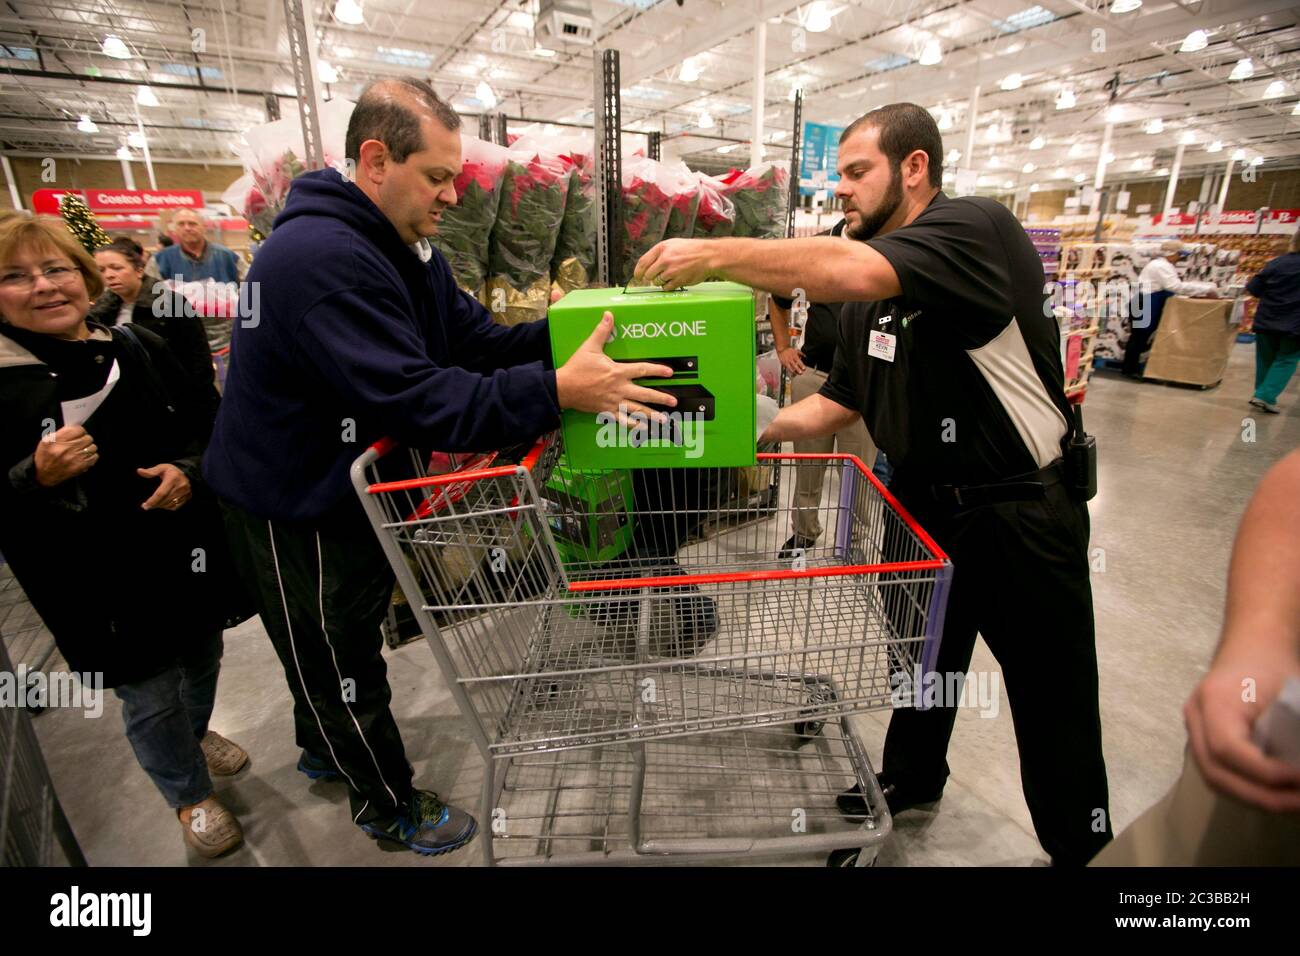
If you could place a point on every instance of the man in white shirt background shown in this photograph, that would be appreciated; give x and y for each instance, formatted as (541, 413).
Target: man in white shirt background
(1158, 281)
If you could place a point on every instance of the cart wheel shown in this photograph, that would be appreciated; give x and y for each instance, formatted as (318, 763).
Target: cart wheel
(845, 858)
(805, 730)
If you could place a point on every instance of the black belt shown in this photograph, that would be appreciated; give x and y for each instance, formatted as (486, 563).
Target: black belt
(1027, 487)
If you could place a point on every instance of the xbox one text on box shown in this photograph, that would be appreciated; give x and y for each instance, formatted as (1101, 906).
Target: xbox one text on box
(705, 334)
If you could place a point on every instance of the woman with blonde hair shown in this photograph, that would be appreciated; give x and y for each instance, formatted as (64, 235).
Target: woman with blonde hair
(103, 518)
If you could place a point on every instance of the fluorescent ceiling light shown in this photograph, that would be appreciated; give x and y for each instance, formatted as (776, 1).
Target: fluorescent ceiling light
(1194, 42)
(135, 140)
(114, 47)
(1296, 111)
(932, 54)
(1215, 147)
(1009, 184)
(1188, 138)
(542, 51)
(818, 18)
(144, 95)
(690, 71)
(1036, 143)
(87, 125)
(1076, 150)
(124, 152)
(706, 121)
(1108, 158)
(1065, 99)
(1079, 177)
(349, 12)
(1124, 6)
(1028, 168)
(1257, 161)
(1012, 82)
(954, 155)
(1162, 171)
(1238, 155)
(1059, 173)
(325, 72)
(1244, 70)
(945, 120)
(994, 162)
(1156, 125)
(483, 93)
(1275, 89)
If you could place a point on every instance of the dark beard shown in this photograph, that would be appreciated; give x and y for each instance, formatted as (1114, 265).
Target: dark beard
(873, 222)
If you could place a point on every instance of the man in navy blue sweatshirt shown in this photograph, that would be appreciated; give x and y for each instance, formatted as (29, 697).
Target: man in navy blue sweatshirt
(362, 333)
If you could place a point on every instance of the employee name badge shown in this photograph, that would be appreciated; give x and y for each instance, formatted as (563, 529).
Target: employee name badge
(77, 411)
(882, 345)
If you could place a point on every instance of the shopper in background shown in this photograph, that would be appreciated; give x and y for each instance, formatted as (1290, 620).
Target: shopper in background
(100, 517)
(1157, 281)
(1235, 805)
(363, 333)
(808, 367)
(129, 297)
(1277, 325)
(195, 259)
(956, 368)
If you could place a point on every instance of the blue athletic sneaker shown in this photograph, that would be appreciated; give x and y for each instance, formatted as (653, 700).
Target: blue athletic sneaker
(431, 829)
(317, 768)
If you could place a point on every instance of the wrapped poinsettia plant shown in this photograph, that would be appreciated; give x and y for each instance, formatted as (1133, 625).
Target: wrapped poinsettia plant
(531, 211)
(715, 214)
(465, 227)
(761, 196)
(685, 204)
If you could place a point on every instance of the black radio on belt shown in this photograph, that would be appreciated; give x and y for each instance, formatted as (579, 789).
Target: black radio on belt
(1081, 461)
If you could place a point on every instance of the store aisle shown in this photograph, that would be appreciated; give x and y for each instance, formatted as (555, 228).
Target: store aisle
(1175, 476)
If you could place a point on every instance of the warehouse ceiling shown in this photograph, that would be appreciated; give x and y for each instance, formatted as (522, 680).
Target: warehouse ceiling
(211, 66)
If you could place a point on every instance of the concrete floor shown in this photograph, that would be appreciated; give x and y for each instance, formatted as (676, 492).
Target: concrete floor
(1175, 474)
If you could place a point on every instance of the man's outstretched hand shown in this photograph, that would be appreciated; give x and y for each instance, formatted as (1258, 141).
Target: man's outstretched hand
(591, 381)
(675, 263)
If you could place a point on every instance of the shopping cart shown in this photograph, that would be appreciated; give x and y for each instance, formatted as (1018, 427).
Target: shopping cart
(683, 697)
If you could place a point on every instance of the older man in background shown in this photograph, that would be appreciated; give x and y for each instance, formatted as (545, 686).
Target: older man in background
(193, 258)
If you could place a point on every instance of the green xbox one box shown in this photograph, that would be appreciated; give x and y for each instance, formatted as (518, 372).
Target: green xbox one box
(705, 334)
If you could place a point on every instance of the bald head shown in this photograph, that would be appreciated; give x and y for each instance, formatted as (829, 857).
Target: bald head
(392, 112)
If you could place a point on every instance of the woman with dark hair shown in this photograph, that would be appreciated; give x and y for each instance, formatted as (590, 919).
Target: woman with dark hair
(129, 297)
(1277, 325)
(105, 521)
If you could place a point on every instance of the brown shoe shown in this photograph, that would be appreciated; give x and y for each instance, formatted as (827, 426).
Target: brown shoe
(225, 758)
(210, 828)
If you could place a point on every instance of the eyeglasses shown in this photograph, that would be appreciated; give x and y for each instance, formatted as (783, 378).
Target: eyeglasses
(26, 281)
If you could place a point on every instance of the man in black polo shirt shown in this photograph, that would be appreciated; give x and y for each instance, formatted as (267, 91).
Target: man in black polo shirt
(952, 359)
(808, 367)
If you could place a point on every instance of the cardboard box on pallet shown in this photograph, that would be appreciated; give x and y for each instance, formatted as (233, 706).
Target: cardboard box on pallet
(705, 333)
(1193, 342)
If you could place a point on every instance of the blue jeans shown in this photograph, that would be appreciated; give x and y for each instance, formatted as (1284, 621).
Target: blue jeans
(167, 715)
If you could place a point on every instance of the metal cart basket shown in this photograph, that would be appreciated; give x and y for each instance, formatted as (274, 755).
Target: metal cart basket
(641, 700)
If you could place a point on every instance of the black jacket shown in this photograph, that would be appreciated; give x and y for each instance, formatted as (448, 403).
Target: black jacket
(115, 584)
(183, 333)
(1277, 286)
